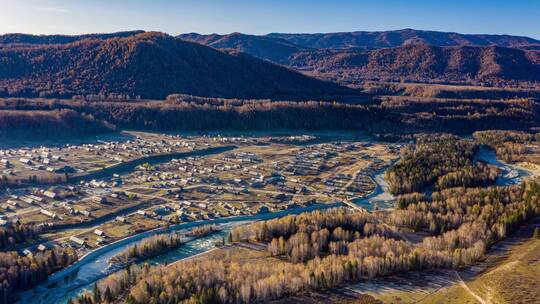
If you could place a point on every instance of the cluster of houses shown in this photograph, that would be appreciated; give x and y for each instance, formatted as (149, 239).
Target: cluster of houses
(67, 158)
(335, 183)
(40, 248)
(120, 151)
(106, 97)
(80, 243)
(187, 211)
(236, 140)
(293, 139)
(5, 164)
(35, 197)
(243, 158)
(45, 159)
(310, 160)
(56, 204)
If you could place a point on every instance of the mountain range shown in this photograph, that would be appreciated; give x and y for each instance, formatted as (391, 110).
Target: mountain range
(410, 55)
(154, 65)
(278, 46)
(387, 39)
(150, 65)
(491, 65)
(233, 72)
(273, 49)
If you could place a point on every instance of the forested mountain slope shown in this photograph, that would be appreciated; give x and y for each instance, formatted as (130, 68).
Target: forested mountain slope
(424, 63)
(409, 55)
(150, 65)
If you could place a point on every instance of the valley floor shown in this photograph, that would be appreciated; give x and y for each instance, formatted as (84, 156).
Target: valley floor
(509, 274)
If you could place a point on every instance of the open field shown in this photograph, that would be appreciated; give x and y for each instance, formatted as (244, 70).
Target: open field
(514, 275)
(509, 274)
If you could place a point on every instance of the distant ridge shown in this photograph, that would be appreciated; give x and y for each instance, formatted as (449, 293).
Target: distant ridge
(410, 55)
(60, 39)
(278, 45)
(273, 49)
(423, 63)
(386, 39)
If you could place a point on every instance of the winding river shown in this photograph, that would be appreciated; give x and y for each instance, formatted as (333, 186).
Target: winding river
(71, 281)
(510, 174)
(93, 267)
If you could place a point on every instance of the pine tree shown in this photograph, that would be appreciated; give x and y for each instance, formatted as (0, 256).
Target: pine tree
(536, 233)
(97, 294)
(108, 295)
(54, 262)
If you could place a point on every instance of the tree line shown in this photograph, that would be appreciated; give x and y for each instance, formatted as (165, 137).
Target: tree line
(181, 112)
(203, 231)
(477, 175)
(304, 237)
(149, 247)
(49, 124)
(499, 208)
(510, 146)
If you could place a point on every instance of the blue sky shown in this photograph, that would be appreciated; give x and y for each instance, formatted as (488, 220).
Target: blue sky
(520, 17)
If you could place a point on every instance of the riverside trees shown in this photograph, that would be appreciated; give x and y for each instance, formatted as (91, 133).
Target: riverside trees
(149, 247)
(443, 161)
(510, 146)
(15, 233)
(22, 272)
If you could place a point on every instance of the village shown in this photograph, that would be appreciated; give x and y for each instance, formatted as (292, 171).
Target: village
(249, 176)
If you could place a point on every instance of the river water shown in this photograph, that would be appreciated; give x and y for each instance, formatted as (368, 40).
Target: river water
(72, 285)
(380, 198)
(71, 281)
(510, 174)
